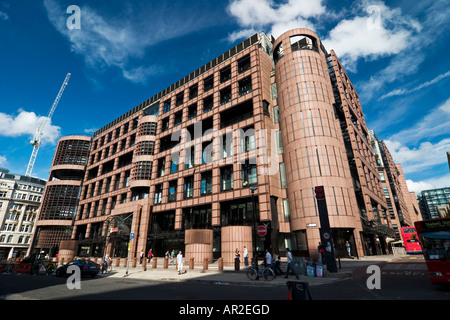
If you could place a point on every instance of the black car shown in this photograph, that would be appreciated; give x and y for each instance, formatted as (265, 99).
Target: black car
(87, 268)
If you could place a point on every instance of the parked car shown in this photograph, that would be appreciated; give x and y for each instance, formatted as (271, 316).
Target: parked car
(87, 268)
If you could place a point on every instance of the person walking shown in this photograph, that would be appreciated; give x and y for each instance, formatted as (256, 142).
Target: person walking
(268, 259)
(142, 255)
(347, 245)
(172, 257)
(289, 264)
(277, 266)
(150, 255)
(180, 262)
(245, 256)
(321, 249)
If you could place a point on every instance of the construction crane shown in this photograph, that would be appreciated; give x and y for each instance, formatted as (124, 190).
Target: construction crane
(36, 142)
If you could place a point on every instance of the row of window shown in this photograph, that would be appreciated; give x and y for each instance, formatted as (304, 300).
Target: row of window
(9, 239)
(243, 65)
(225, 96)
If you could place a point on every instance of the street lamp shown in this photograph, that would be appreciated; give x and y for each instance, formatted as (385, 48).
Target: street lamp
(255, 257)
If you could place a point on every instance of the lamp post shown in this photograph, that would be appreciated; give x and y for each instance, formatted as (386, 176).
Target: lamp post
(255, 257)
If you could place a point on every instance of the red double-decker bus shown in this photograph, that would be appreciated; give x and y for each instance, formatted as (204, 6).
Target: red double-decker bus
(411, 240)
(434, 237)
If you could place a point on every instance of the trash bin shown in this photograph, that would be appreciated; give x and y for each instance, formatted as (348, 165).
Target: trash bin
(298, 290)
(319, 270)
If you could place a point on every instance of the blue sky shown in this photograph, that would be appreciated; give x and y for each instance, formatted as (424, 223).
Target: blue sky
(127, 51)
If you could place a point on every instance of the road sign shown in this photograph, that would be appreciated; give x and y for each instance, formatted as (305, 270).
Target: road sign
(262, 231)
(132, 235)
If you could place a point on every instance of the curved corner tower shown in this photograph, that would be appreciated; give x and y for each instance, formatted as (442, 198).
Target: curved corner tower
(61, 195)
(312, 139)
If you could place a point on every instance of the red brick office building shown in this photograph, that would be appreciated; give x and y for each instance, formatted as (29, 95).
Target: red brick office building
(238, 143)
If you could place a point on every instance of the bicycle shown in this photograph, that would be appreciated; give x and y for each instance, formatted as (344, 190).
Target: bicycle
(254, 273)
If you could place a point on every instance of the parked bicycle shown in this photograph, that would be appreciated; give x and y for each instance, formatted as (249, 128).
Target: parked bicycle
(254, 273)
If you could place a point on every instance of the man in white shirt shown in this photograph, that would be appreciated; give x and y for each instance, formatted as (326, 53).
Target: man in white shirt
(180, 262)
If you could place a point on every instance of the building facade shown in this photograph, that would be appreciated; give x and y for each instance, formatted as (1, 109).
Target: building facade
(239, 143)
(20, 197)
(431, 201)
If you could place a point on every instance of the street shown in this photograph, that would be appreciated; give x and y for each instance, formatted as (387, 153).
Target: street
(404, 279)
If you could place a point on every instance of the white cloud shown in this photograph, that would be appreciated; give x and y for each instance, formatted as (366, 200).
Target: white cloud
(432, 183)
(435, 124)
(26, 123)
(421, 158)
(3, 160)
(277, 18)
(108, 42)
(377, 31)
(398, 92)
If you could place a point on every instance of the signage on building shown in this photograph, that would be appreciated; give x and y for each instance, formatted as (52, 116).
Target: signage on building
(262, 231)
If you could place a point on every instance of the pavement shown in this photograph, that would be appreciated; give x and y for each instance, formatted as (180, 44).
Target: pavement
(346, 268)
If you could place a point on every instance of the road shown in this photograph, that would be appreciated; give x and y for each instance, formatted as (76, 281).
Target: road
(406, 279)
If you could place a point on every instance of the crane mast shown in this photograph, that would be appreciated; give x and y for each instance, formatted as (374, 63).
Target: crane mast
(36, 142)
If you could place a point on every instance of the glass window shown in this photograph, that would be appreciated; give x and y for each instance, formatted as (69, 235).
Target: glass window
(172, 191)
(158, 194)
(226, 178)
(249, 173)
(188, 189)
(206, 183)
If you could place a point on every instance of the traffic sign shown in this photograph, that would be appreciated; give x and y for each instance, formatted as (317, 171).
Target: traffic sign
(132, 235)
(262, 231)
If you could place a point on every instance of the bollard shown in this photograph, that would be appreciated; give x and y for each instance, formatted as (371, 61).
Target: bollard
(191, 263)
(166, 263)
(144, 264)
(154, 262)
(220, 263)
(205, 264)
(125, 262)
(134, 262)
(117, 262)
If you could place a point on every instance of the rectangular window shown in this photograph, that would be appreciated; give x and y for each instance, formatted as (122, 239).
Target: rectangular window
(188, 188)
(226, 178)
(208, 83)
(248, 139)
(178, 118)
(286, 210)
(225, 95)
(245, 86)
(206, 183)
(225, 74)
(249, 173)
(179, 99)
(166, 106)
(208, 103)
(244, 64)
(283, 180)
(193, 91)
(192, 111)
(158, 194)
(161, 167)
(276, 114)
(172, 191)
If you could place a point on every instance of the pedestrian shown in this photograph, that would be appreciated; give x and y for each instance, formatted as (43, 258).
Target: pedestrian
(150, 255)
(142, 255)
(180, 262)
(347, 245)
(277, 265)
(268, 260)
(245, 256)
(289, 264)
(172, 257)
(321, 249)
(237, 260)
